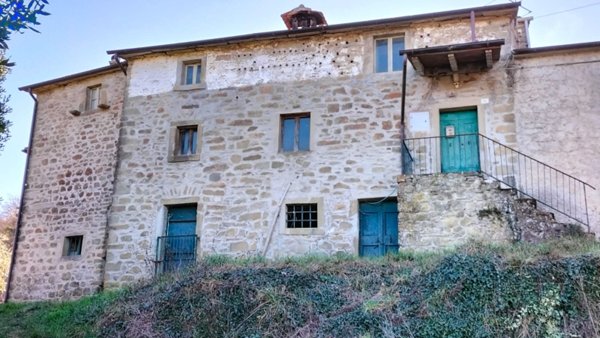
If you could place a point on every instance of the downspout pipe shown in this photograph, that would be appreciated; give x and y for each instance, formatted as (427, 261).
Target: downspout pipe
(402, 111)
(22, 202)
(115, 59)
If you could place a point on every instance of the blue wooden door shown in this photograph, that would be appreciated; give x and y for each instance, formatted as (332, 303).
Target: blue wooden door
(180, 241)
(378, 223)
(459, 141)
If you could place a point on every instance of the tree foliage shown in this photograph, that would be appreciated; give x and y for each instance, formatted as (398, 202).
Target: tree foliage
(9, 212)
(19, 15)
(4, 108)
(15, 16)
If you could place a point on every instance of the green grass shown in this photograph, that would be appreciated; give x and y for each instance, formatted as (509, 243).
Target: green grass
(55, 319)
(476, 290)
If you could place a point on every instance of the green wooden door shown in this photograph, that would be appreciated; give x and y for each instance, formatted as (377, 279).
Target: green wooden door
(179, 244)
(459, 142)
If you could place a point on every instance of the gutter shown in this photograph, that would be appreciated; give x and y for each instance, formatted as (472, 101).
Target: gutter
(483, 11)
(22, 202)
(574, 47)
(82, 75)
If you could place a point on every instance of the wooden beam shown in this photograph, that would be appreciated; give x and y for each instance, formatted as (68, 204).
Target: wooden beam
(488, 58)
(453, 63)
(418, 65)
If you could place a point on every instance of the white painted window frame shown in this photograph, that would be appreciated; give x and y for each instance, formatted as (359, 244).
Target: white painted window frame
(92, 99)
(390, 52)
(182, 66)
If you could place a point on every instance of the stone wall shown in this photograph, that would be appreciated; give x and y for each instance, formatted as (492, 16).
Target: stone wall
(309, 58)
(69, 190)
(445, 210)
(558, 119)
(241, 175)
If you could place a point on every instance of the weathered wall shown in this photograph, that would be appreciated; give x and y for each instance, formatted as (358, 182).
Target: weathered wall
(309, 58)
(558, 118)
(69, 190)
(445, 210)
(241, 175)
(490, 92)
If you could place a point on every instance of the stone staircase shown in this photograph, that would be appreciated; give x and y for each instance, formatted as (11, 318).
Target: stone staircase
(438, 211)
(531, 224)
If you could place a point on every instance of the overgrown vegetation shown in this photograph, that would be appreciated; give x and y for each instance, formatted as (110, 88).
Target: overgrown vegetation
(16, 16)
(519, 290)
(8, 220)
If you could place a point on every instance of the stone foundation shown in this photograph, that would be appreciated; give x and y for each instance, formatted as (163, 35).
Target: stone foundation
(444, 210)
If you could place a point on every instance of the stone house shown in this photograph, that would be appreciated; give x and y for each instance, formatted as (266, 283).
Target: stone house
(315, 139)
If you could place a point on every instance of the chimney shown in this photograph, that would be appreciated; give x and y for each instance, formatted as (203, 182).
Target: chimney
(303, 17)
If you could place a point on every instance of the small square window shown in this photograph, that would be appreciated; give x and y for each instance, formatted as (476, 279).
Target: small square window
(191, 74)
(187, 140)
(295, 132)
(301, 216)
(387, 54)
(92, 98)
(72, 246)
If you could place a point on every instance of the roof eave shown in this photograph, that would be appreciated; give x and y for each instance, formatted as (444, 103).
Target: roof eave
(540, 51)
(69, 78)
(509, 9)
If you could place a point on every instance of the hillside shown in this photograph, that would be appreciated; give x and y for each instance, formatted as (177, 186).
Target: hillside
(544, 290)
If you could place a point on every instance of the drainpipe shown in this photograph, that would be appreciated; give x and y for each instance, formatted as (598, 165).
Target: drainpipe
(22, 202)
(526, 28)
(473, 37)
(115, 59)
(402, 126)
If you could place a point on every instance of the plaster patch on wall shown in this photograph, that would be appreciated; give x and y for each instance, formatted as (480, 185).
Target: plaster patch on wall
(419, 121)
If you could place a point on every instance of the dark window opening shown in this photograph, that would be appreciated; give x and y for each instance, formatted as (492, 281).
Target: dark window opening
(301, 215)
(72, 246)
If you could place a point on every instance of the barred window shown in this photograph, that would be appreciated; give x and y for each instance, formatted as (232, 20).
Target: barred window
(301, 215)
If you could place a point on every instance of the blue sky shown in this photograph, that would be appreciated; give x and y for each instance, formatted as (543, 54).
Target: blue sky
(77, 34)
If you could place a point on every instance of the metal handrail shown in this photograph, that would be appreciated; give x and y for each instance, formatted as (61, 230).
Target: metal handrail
(506, 165)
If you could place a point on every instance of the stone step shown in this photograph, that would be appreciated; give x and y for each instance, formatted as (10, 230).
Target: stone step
(528, 201)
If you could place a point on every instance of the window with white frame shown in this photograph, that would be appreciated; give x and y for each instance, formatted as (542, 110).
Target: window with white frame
(387, 54)
(92, 97)
(192, 73)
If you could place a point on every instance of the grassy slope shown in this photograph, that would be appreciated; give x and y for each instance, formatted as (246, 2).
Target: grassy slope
(475, 291)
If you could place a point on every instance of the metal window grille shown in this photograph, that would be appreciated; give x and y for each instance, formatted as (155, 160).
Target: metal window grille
(301, 215)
